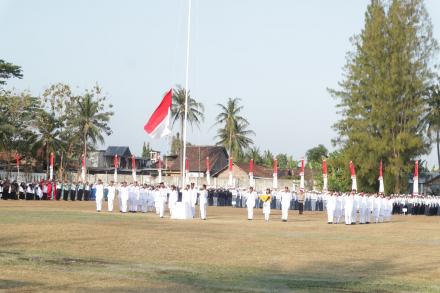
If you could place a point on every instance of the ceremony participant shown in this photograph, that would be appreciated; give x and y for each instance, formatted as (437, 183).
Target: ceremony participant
(39, 192)
(123, 197)
(383, 208)
(87, 191)
(156, 199)
(376, 208)
(349, 201)
(193, 193)
(163, 196)
(44, 190)
(363, 203)
(286, 198)
(266, 199)
(99, 195)
(111, 196)
(355, 207)
(338, 207)
(369, 208)
(331, 207)
(29, 192)
(80, 194)
(251, 196)
(301, 196)
(203, 202)
(143, 192)
(186, 196)
(174, 197)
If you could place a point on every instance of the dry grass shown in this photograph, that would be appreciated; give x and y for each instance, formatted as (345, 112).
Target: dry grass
(68, 247)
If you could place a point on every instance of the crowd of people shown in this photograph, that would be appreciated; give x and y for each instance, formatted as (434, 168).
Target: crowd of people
(350, 208)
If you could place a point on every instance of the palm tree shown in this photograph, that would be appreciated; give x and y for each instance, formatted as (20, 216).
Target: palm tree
(254, 153)
(92, 120)
(233, 133)
(432, 117)
(195, 112)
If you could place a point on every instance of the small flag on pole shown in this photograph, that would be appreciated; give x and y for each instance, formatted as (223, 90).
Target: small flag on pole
(133, 167)
(416, 179)
(353, 177)
(251, 173)
(159, 122)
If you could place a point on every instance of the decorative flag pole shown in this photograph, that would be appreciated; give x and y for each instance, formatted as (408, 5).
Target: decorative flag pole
(275, 174)
(208, 172)
(230, 183)
(17, 163)
(116, 164)
(324, 175)
(133, 167)
(251, 173)
(51, 166)
(381, 186)
(353, 177)
(416, 179)
(159, 170)
(83, 168)
(301, 183)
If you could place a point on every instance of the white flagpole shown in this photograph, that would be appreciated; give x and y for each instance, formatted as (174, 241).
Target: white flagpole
(186, 92)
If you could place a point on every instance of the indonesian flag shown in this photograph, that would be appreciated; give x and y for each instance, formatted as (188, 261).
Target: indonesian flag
(381, 186)
(159, 122)
(208, 172)
(230, 172)
(159, 170)
(301, 183)
(353, 177)
(251, 173)
(275, 174)
(133, 167)
(416, 179)
(116, 164)
(51, 166)
(324, 175)
(83, 168)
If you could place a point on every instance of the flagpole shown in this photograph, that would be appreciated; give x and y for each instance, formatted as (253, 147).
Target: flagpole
(186, 93)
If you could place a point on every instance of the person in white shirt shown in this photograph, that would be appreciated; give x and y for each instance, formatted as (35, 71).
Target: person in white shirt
(186, 196)
(363, 203)
(266, 205)
(286, 198)
(338, 207)
(143, 193)
(355, 208)
(376, 208)
(174, 197)
(193, 193)
(349, 202)
(99, 195)
(162, 197)
(203, 202)
(123, 197)
(111, 196)
(250, 196)
(331, 207)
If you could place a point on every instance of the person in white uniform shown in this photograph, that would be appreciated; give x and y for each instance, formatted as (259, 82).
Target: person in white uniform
(174, 197)
(111, 196)
(251, 196)
(193, 193)
(349, 201)
(376, 208)
(266, 205)
(163, 196)
(330, 206)
(363, 203)
(99, 195)
(123, 197)
(286, 198)
(203, 202)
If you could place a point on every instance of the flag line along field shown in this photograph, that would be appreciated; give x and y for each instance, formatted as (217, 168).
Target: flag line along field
(68, 247)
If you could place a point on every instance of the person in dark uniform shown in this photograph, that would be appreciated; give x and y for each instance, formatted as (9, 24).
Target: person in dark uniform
(301, 201)
(87, 191)
(59, 190)
(14, 190)
(73, 191)
(66, 192)
(80, 191)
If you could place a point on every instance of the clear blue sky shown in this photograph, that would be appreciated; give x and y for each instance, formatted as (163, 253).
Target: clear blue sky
(277, 56)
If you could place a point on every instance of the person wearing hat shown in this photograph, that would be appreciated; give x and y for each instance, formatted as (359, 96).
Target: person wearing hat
(250, 196)
(286, 198)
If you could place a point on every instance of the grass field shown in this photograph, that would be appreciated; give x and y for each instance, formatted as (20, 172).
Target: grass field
(68, 247)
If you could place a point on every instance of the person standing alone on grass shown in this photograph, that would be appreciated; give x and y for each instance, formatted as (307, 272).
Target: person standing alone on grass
(286, 198)
(203, 202)
(266, 199)
(251, 196)
(99, 195)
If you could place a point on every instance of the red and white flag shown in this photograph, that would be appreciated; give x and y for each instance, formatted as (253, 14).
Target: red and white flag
(416, 179)
(324, 175)
(301, 173)
(251, 173)
(275, 174)
(116, 164)
(353, 177)
(51, 166)
(159, 122)
(381, 186)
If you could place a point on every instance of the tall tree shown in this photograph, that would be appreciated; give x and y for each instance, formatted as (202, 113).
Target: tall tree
(316, 154)
(146, 149)
(195, 112)
(432, 117)
(254, 153)
(233, 133)
(268, 158)
(381, 95)
(9, 70)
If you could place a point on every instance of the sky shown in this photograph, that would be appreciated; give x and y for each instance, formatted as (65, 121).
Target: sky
(278, 56)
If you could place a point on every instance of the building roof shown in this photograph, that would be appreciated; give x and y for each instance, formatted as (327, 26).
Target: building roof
(218, 159)
(121, 151)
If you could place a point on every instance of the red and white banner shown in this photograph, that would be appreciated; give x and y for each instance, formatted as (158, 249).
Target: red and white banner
(353, 177)
(51, 166)
(275, 174)
(116, 165)
(381, 186)
(208, 172)
(159, 123)
(324, 175)
(83, 168)
(416, 179)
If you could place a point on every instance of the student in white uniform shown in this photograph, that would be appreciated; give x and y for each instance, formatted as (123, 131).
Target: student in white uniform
(286, 198)
(99, 195)
(349, 201)
(111, 196)
(363, 202)
(123, 197)
(339, 201)
(186, 196)
(174, 196)
(251, 196)
(266, 205)
(162, 198)
(193, 193)
(331, 207)
(203, 202)
(355, 208)
(376, 208)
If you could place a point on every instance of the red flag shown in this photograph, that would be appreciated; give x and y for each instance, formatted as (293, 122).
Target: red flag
(302, 166)
(133, 162)
(116, 161)
(324, 167)
(51, 159)
(230, 164)
(208, 168)
(380, 169)
(416, 169)
(251, 166)
(17, 159)
(158, 124)
(275, 166)
(352, 171)
(186, 165)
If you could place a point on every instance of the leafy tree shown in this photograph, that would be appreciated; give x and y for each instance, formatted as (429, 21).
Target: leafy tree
(317, 154)
(146, 149)
(282, 161)
(432, 117)
(381, 96)
(268, 158)
(233, 133)
(9, 70)
(254, 154)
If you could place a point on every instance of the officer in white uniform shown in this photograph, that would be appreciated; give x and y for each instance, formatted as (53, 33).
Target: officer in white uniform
(203, 202)
(251, 195)
(286, 198)
(111, 196)
(99, 195)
